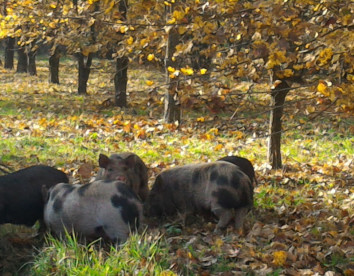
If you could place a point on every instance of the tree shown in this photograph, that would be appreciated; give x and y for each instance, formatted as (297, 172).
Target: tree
(278, 95)
(9, 43)
(282, 43)
(22, 62)
(9, 53)
(172, 105)
(31, 55)
(54, 64)
(121, 75)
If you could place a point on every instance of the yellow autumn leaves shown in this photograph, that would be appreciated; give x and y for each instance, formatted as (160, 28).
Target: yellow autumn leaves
(279, 258)
(276, 58)
(325, 56)
(187, 71)
(178, 16)
(342, 94)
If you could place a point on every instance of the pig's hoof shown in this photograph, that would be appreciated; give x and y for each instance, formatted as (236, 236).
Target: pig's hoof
(219, 230)
(239, 231)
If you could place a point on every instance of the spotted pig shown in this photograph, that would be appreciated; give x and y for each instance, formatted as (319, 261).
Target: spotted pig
(126, 167)
(101, 209)
(219, 187)
(244, 164)
(21, 200)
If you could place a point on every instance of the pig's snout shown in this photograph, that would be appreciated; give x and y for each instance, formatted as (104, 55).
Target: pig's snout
(121, 178)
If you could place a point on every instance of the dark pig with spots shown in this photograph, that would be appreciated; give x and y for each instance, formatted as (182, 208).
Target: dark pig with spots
(21, 200)
(101, 209)
(244, 164)
(218, 187)
(125, 167)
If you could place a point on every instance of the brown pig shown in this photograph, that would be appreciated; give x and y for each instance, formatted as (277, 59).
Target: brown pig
(219, 187)
(126, 167)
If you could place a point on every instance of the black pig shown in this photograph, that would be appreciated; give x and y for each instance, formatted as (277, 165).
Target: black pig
(21, 200)
(244, 164)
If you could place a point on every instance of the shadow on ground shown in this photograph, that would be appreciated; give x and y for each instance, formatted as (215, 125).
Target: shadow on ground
(17, 248)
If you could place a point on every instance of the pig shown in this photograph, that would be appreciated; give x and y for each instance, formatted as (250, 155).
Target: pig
(101, 209)
(21, 200)
(218, 187)
(126, 167)
(244, 164)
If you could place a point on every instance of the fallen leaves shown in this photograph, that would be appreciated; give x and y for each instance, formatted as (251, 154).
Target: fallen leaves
(303, 217)
(279, 258)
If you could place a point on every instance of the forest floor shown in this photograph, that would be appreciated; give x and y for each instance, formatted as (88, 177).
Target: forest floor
(302, 222)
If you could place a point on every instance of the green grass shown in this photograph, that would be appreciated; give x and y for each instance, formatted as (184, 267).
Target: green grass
(51, 124)
(140, 255)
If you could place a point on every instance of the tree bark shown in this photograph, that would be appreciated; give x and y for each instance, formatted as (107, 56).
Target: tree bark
(84, 64)
(172, 110)
(32, 69)
(22, 63)
(10, 44)
(121, 75)
(9, 53)
(120, 81)
(54, 66)
(274, 143)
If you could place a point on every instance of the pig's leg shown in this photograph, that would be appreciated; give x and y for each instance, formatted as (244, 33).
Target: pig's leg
(224, 215)
(240, 214)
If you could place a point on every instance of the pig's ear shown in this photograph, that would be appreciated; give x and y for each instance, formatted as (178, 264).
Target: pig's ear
(130, 161)
(103, 161)
(158, 185)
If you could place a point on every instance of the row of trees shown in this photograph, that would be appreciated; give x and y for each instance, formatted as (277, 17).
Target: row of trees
(199, 41)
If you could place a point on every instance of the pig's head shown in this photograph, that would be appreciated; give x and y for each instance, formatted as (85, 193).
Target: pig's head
(116, 168)
(152, 208)
(159, 201)
(125, 169)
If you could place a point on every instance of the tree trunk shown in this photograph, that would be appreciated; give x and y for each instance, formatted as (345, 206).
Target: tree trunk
(84, 72)
(32, 69)
(9, 53)
(22, 61)
(10, 43)
(274, 143)
(120, 81)
(172, 111)
(121, 75)
(54, 66)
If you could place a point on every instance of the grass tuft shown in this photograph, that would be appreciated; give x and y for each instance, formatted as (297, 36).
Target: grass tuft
(140, 255)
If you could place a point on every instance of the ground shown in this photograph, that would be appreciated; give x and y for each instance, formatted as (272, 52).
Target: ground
(302, 221)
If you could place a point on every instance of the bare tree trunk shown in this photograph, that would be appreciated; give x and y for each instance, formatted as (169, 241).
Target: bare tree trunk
(172, 111)
(120, 81)
(84, 71)
(121, 75)
(32, 69)
(22, 61)
(9, 53)
(54, 66)
(274, 143)
(10, 44)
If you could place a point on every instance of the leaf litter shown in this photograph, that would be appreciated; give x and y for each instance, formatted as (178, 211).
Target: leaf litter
(302, 223)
